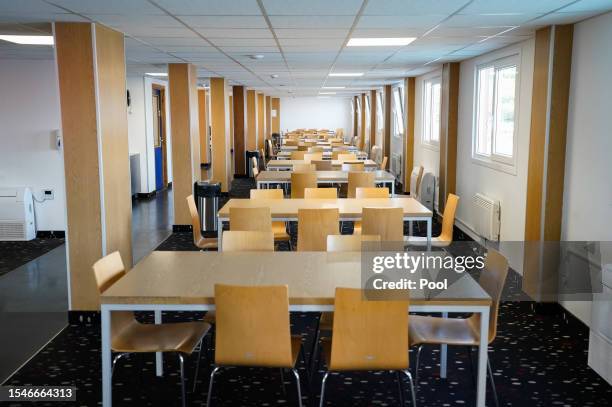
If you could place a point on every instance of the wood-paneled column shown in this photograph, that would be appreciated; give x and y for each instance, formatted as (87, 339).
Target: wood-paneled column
(387, 124)
(410, 88)
(260, 121)
(239, 129)
(203, 125)
(268, 117)
(276, 112)
(373, 118)
(362, 134)
(91, 73)
(448, 132)
(355, 118)
(251, 127)
(220, 130)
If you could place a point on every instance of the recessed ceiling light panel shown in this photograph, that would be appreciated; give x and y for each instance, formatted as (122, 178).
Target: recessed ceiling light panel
(28, 39)
(156, 74)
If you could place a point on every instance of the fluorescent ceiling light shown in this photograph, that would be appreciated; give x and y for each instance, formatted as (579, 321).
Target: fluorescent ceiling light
(334, 87)
(28, 39)
(156, 74)
(327, 93)
(346, 74)
(379, 42)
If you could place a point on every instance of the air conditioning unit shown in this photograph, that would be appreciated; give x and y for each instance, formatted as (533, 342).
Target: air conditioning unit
(16, 214)
(488, 216)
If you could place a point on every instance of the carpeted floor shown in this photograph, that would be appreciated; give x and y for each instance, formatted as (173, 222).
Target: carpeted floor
(15, 254)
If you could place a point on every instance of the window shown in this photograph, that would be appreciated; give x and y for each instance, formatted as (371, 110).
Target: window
(380, 120)
(495, 112)
(398, 111)
(431, 111)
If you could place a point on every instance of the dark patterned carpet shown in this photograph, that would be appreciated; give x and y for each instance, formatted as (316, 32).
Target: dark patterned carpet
(538, 360)
(15, 254)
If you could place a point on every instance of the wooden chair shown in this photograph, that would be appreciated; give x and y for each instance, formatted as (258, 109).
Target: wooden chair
(448, 221)
(362, 179)
(349, 243)
(278, 227)
(360, 166)
(383, 164)
(254, 167)
(308, 157)
(425, 330)
(262, 153)
(129, 336)
(315, 149)
(320, 193)
(271, 153)
(253, 330)
(301, 180)
(198, 240)
(386, 222)
(250, 219)
(297, 155)
(415, 181)
(304, 167)
(291, 142)
(368, 336)
(323, 165)
(314, 225)
(365, 192)
(249, 241)
(347, 156)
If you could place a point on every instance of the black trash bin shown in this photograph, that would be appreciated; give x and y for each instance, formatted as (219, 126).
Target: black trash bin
(249, 155)
(207, 199)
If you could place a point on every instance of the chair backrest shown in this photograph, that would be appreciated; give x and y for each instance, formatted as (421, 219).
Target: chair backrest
(347, 156)
(339, 132)
(386, 222)
(383, 164)
(304, 167)
(254, 166)
(252, 326)
(263, 154)
(249, 241)
(448, 221)
(253, 219)
(301, 180)
(291, 142)
(266, 194)
(308, 157)
(353, 166)
(297, 155)
(368, 335)
(314, 225)
(270, 147)
(322, 165)
(320, 193)
(195, 219)
(492, 280)
(415, 180)
(315, 149)
(361, 192)
(359, 179)
(349, 243)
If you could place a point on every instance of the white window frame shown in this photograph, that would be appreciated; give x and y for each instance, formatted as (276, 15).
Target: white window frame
(497, 161)
(400, 130)
(425, 141)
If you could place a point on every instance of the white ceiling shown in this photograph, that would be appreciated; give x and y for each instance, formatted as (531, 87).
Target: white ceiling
(302, 40)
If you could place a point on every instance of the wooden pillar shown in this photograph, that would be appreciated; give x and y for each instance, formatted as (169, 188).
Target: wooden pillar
(276, 115)
(260, 121)
(268, 117)
(219, 121)
(203, 126)
(387, 126)
(362, 135)
(185, 130)
(251, 127)
(355, 117)
(373, 107)
(546, 166)
(239, 131)
(410, 89)
(91, 73)
(448, 132)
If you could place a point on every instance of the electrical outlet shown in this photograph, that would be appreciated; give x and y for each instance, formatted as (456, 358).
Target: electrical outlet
(48, 194)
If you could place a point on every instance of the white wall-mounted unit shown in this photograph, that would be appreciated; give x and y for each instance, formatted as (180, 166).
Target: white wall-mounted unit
(427, 190)
(487, 219)
(396, 165)
(16, 214)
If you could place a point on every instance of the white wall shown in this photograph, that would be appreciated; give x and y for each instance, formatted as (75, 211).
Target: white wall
(425, 155)
(29, 113)
(314, 112)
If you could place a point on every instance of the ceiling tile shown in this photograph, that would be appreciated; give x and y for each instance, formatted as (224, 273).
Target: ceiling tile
(225, 21)
(213, 33)
(312, 7)
(514, 6)
(133, 7)
(308, 22)
(397, 21)
(210, 7)
(588, 5)
(479, 20)
(407, 8)
(311, 33)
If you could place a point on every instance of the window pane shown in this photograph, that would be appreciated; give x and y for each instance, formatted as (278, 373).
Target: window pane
(484, 129)
(435, 112)
(398, 111)
(427, 113)
(504, 112)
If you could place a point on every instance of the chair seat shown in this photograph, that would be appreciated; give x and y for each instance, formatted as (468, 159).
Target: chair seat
(210, 317)
(207, 243)
(437, 331)
(357, 227)
(422, 241)
(280, 231)
(172, 337)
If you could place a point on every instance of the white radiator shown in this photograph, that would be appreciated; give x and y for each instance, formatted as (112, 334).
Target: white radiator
(487, 220)
(396, 165)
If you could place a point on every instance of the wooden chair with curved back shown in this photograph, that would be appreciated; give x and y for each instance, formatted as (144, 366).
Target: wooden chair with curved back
(323, 165)
(368, 192)
(304, 167)
(315, 149)
(199, 241)
(383, 164)
(297, 155)
(248, 241)
(314, 225)
(130, 336)
(425, 330)
(354, 166)
(346, 156)
(359, 179)
(386, 222)
(253, 330)
(271, 153)
(308, 157)
(349, 243)
(358, 342)
(291, 142)
(415, 181)
(320, 193)
(250, 219)
(278, 227)
(301, 180)
(254, 167)
(448, 221)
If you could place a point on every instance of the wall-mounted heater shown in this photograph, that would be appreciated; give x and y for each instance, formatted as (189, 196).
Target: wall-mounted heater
(488, 213)
(16, 214)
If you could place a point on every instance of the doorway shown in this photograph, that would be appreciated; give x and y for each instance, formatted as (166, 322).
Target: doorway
(159, 137)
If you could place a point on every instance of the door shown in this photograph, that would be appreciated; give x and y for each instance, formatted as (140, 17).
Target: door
(159, 141)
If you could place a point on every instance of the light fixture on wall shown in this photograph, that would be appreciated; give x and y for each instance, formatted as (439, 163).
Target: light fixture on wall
(28, 39)
(380, 42)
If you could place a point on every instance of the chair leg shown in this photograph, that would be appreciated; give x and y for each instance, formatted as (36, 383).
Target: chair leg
(299, 389)
(197, 369)
(416, 369)
(314, 350)
(210, 386)
(116, 359)
(492, 383)
(322, 399)
(412, 388)
(471, 358)
(400, 388)
(282, 379)
(182, 371)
